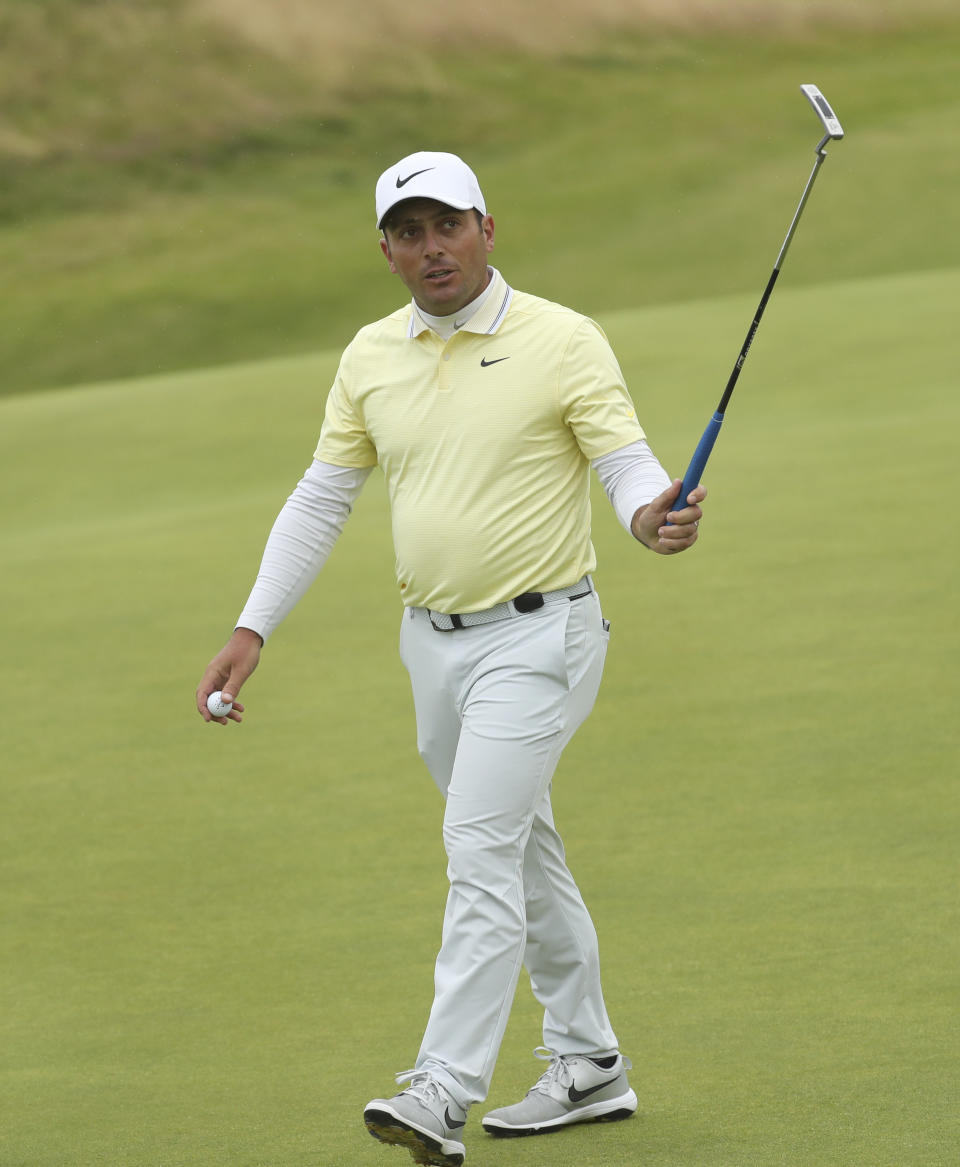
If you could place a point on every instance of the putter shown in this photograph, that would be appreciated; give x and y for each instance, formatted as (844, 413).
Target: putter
(833, 131)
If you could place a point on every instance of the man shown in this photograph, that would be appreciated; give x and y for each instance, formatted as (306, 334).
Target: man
(485, 408)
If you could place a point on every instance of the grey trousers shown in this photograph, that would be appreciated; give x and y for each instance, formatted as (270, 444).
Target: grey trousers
(495, 706)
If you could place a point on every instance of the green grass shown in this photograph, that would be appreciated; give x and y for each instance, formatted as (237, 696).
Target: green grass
(164, 226)
(219, 944)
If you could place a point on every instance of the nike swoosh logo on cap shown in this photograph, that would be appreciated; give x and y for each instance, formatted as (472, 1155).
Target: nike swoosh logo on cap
(402, 182)
(452, 1122)
(485, 364)
(579, 1095)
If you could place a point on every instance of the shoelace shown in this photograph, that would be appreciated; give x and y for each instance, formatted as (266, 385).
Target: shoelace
(422, 1086)
(560, 1072)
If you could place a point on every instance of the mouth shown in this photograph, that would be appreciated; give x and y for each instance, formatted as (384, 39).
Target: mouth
(439, 273)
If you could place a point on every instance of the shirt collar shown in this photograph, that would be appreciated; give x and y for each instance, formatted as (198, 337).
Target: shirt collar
(485, 321)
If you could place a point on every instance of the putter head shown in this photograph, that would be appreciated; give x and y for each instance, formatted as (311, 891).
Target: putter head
(821, 107)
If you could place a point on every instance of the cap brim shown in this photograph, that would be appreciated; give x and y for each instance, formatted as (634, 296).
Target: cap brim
(457, 204)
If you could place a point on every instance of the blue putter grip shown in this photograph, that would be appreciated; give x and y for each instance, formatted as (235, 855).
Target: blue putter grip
(691, 479)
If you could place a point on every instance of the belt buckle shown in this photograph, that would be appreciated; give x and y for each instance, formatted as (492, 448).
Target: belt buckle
(528, 602)
(455, 621)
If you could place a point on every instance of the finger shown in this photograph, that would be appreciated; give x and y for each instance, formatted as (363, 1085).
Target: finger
(235, 714)
(670, 497)
(212, 680)
(238, 674)
(204, 689)
(669, 544)
(685, 517)
(695, 496)
(236, 711)
(679, 534)
(680, 510)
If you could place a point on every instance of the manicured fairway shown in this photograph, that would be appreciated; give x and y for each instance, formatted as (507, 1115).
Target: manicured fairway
(217, 944)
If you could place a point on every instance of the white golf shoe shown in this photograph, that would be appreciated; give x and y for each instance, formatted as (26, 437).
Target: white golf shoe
(575, 1088)
(424, 1118)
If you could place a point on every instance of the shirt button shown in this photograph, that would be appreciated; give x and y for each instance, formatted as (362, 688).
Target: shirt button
(447, 356)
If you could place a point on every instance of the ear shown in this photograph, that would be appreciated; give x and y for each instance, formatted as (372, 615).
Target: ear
(385, 248)
(487, 227)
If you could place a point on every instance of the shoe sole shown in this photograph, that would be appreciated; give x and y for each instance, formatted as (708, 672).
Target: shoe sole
(426, 1149)
(620, 1108)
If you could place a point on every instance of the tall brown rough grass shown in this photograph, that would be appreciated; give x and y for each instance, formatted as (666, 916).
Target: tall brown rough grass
(334, 33)
(111, 78)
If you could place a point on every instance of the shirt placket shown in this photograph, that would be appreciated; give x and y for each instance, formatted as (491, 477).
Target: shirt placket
(445, 364)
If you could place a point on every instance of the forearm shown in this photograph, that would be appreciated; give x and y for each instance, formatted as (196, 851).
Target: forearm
(299, 543)
(632, 478)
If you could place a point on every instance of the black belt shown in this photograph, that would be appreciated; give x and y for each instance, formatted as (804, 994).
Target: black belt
(527, 602)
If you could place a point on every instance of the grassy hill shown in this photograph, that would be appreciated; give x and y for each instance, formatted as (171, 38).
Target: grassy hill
(189, 182)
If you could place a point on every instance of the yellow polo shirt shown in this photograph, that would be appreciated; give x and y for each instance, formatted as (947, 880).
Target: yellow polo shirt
(485, 442)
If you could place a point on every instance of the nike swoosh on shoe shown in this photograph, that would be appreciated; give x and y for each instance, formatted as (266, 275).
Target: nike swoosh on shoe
(576, 1095)
(452, 1122)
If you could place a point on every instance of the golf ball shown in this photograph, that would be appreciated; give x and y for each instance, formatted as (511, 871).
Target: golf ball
(217, 706)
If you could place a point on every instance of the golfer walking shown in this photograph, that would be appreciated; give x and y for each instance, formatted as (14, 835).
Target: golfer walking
(485, 408)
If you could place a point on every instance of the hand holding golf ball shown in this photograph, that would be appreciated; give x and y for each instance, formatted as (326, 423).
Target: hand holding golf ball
(217, 706)
(224, 677)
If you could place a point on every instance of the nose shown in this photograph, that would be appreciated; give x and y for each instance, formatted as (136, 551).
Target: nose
(432, 243)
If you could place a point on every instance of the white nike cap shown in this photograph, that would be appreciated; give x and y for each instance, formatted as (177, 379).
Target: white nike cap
(429, 175)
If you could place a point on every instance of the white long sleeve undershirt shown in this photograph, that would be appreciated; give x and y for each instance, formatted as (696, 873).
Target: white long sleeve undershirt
(300, 542)
(632, 477)
(313, 516)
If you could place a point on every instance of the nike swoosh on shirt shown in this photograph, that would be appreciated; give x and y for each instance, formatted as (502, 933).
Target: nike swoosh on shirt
(452, 1122)
(402, 182)
(485, 364)
(576, 1095)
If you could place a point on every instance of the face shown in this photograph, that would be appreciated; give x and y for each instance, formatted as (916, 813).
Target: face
(439, 253)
